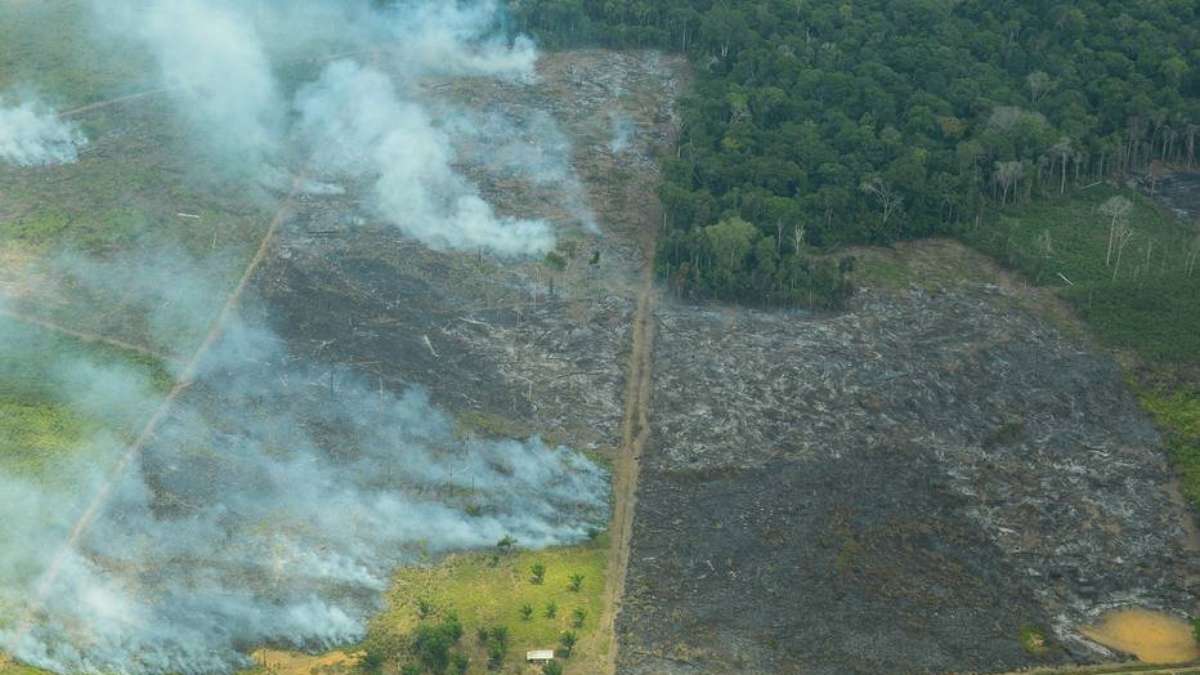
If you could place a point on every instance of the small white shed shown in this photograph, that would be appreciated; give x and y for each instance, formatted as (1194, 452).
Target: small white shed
(539, 656)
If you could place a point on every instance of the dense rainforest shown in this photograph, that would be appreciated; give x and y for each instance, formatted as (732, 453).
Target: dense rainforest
(814, 124)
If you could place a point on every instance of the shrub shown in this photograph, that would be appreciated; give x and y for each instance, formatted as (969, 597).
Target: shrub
(577, 617)
(526, 612)
(567, 641)
(537, 573)
(506, 544)
(496, 654)
(431, 643)
(551, 610)
(576, 582)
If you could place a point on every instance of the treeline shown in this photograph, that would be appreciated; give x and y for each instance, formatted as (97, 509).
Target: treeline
(867, 121)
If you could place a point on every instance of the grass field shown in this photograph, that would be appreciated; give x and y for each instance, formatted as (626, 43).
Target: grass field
(1147, 307)
(486, 592)
(43, 436)
(1146, 304)
(38, 426)
(49, 46)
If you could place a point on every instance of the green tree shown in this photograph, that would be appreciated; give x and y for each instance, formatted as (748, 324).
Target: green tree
(506, 544)
(729, 242)
(431, 644)
(567, 642)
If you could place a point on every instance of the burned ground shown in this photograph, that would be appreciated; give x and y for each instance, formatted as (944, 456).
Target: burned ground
(898, 488)
(1180, 192)
(509, 346)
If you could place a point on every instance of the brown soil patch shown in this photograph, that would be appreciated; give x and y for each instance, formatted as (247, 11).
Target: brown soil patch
(1152, 637)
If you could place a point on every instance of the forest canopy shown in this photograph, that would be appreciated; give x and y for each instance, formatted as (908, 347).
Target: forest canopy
(813, 124)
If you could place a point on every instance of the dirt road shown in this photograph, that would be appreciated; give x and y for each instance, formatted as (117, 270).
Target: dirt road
(635, 428)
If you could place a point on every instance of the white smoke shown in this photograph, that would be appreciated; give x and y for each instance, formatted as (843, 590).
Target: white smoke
(269, 508)
(530, 146)
(358, 126)
(215, 64)
(450, 38)
(273, 503)
(220, 61)
(32, 134)
(623, 131)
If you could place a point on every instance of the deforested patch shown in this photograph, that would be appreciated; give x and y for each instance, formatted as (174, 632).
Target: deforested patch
(907, 486)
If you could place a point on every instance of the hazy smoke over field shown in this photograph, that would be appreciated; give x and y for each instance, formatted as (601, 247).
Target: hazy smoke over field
(623, 132)
(222, 62)
(221, 77)
(274, 500)
(32, 134)
(530, 146)
(269, 508)
(395, 143)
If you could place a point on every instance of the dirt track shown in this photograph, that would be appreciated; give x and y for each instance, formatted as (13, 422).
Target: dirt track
(87, 336)
(634, 429)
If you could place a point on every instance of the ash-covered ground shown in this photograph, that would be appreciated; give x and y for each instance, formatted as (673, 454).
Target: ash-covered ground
(513, 348)
(1181, 193)
(898, 488)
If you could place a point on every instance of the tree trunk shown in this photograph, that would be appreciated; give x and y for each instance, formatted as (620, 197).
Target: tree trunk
(1191, 145)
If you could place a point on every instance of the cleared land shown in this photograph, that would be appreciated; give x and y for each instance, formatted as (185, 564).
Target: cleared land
(910, 485)
(510, 349)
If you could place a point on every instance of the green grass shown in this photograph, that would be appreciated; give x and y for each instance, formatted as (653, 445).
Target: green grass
(34, 433)
(1178, 413)
(7, 668)
(1147, 305)
(1033, 640)
(40, 430)
(485, 593)
(54, 47)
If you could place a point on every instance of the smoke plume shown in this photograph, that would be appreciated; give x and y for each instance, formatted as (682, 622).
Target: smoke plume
(395, 144)
(623, 131)
(31, 134)
(221, 62)
(529, 145)
(269, 508)
(271, 505)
